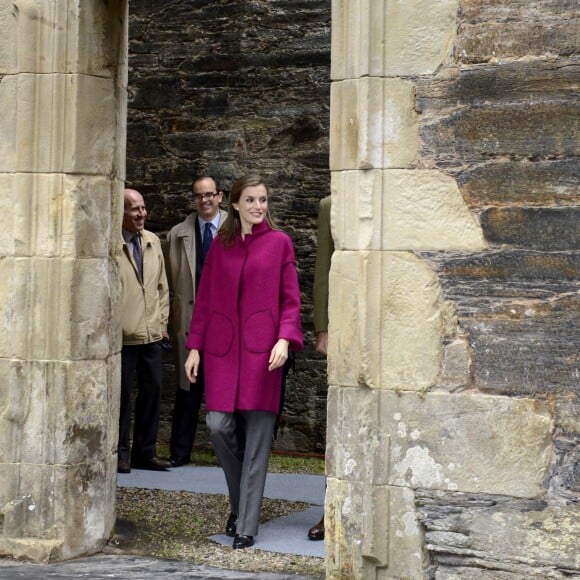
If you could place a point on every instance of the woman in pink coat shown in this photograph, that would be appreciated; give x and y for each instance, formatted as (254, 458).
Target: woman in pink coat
(246, 316)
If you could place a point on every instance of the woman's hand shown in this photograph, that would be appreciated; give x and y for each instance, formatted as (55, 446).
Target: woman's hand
(192, 365)
(279, 354)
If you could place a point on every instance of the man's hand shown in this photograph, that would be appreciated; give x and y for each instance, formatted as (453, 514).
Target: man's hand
(192, 365)
(278, 355)
(321, 344)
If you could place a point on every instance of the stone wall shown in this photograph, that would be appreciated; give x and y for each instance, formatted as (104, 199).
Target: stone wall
(454, 312)
(502, 120)
(227, 87)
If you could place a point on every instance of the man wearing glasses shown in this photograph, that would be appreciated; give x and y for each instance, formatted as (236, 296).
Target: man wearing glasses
(189, 243)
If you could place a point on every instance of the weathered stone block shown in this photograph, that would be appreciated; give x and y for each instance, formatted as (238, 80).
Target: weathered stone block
(55, 215)
(157, 93)
(519, 311)
(436, 441)
(113, 377)
(526, 348)
(49, 429)
(55, 512)
(524, 182)
(375, 532)
(146, 141)
(93, 331)
(534, 228)
(60, 124)
(40, 293)
(567, 412)
(529, 539)
(356, 209)
(505, 274)
(371, 118)
(345, 339)
(565, 476)
(356, 449)
(540, 80)
(184, 144)
(455, 366)
(379, 300)
(503, 129)
(51, 36)
(401, 209)
(425, 210)
(516, 29)
(379, 38)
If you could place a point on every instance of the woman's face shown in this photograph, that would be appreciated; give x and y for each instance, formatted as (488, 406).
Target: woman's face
(252, 206)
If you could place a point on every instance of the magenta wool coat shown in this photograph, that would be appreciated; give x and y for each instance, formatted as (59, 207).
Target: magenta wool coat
(248, 298)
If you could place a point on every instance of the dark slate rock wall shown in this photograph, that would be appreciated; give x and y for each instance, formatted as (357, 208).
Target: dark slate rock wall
(225, 87)
(502, 119)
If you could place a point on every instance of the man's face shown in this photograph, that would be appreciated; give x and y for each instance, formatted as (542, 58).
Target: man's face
(135, 213)
(206, 203)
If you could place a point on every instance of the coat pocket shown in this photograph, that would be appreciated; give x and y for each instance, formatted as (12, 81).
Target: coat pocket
(220, 335)
(260, 332)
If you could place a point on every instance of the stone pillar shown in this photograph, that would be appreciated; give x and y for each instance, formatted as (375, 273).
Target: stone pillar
(62, 149)
(403, 414)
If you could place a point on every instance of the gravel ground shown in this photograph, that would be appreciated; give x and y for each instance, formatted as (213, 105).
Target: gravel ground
(176, 525)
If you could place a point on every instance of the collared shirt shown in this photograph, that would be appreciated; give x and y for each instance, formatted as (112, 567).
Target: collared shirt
(128, 237)
(215, 222)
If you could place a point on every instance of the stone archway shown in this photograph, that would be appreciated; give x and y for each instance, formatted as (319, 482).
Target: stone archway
(437, 429)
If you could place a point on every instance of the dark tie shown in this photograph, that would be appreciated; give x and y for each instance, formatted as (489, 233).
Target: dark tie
(137, 254)
(207, 238)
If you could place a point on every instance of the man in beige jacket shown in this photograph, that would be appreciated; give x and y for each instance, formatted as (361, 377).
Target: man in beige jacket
(144, 314)
(189, 242)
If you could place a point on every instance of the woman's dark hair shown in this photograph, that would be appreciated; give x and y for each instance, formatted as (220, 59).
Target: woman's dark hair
(232, 225)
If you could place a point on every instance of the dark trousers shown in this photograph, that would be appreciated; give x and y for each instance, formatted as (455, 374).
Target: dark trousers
(185, 419)
(145, 361)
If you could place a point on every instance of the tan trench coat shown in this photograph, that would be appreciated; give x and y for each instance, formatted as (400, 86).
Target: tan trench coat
(144, 304)
(181, 274)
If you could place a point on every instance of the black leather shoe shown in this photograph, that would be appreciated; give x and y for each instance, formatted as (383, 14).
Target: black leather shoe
(178, 462)
(316, 532)
(123, 466)
(241, 542)
(231, 525)
(152, 464)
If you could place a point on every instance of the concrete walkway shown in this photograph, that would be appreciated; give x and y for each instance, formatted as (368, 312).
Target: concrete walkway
(286, 534)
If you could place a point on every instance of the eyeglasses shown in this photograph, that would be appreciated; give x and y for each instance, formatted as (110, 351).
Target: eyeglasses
(202, 196)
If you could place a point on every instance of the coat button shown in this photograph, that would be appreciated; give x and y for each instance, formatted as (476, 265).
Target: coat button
(191, 301)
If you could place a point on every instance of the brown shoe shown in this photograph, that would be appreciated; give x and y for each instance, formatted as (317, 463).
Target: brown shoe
(123, 466)
(316, 532)
(152, 464)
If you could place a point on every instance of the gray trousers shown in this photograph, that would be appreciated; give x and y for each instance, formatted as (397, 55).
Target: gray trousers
(242, 443)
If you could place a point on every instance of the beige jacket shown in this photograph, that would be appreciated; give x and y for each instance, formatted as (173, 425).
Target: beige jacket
(144, 305)
(181, 274)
